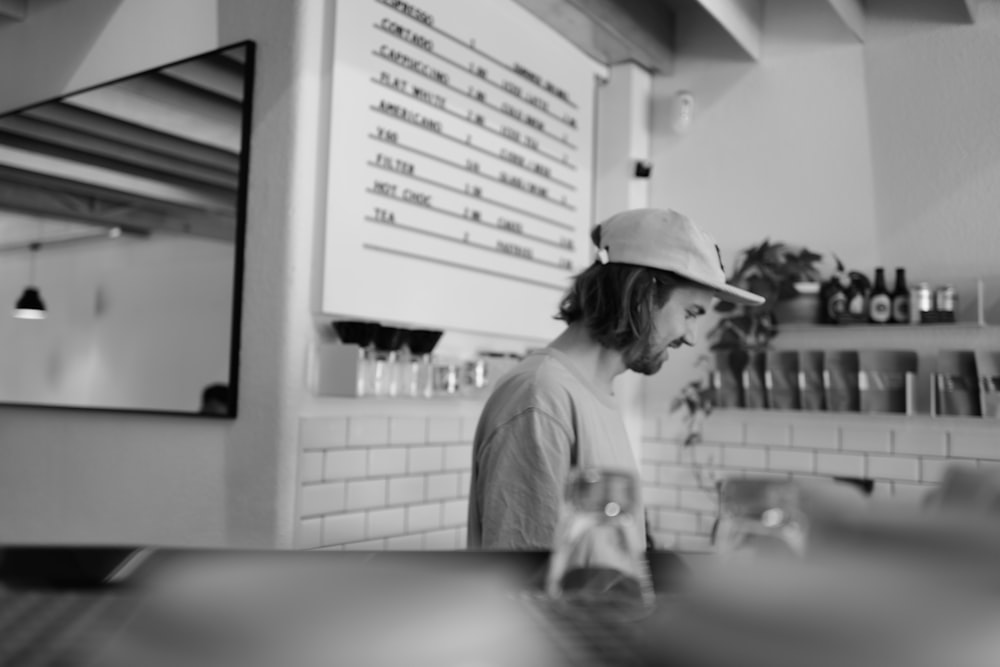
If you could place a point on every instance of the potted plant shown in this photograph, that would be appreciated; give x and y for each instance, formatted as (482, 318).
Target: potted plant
(790, 280)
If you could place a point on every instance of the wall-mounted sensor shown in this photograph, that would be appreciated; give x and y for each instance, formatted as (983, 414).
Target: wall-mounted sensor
(643, 168)
(682, 111)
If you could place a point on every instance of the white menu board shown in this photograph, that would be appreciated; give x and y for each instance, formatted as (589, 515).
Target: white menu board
(461, 166)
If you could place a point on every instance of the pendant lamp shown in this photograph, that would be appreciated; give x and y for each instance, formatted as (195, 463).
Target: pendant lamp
(30, 306)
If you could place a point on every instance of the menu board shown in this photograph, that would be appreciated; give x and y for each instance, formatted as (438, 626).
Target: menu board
(461, 166)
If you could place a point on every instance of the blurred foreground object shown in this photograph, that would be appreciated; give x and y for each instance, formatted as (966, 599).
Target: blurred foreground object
(599, 557)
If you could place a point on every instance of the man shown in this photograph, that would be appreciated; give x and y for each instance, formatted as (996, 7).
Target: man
(656, 273)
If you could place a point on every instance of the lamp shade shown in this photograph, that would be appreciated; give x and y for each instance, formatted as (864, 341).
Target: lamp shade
(30, 306)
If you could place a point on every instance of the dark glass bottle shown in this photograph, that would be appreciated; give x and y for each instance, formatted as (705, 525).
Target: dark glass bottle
(901, 299)
(836, 297)
(857, 299)
(879, 301)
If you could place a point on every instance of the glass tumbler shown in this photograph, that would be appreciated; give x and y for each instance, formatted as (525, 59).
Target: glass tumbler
(598, 557)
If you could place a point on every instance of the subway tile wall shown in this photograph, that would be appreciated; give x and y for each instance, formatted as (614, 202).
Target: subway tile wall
(385, 481)
(904, 458)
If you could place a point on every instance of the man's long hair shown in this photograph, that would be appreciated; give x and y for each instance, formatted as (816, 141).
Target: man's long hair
(618, 303)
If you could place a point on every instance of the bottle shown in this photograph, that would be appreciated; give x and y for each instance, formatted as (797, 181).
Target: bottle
(879, 301)
(835, 295)
(901, 299)
(857, 299)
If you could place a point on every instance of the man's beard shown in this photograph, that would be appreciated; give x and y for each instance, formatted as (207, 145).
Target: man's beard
(644, 360)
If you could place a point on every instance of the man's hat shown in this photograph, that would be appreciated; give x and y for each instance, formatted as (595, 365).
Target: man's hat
(667, 240)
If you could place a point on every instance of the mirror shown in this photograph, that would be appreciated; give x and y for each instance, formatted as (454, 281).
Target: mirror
(121, 231)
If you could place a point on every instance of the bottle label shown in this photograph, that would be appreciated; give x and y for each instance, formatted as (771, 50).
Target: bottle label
(856, 305)
(901, 309)
(836, 306)
(880, 308)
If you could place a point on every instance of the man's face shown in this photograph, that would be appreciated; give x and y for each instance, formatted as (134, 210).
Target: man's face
(674, 325)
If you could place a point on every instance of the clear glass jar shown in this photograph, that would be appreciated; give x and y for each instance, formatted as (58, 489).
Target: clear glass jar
(598, 556)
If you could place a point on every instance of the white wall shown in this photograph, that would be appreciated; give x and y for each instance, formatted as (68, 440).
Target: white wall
(778, 149)
(140, 323)
(933, 96)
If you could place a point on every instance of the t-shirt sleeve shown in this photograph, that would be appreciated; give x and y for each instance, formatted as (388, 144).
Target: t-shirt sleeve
(523, 468)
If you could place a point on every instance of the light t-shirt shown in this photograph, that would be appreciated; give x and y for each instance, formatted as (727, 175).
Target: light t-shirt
(542, 419)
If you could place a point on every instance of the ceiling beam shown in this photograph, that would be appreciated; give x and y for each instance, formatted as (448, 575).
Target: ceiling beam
(14, 10)
(612, 31)
(88, 122)
(39, 136)
(852, 13)
(202, 197)
(168, 106)
(742, 19)
(113, 210)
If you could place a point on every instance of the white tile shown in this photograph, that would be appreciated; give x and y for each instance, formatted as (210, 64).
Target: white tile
(442, 487)
(894, 467)
(458, 457)
(840, 464)
(311, 467)
(658, 496)
(345, 464)
(744, 456)
(406, 490)
(815, 436)
(921, 441)
(661, 452)
(465, 481)
(674, 520)
(367, 431)
(443, 430)
(367, 545)
(793, 460)
(386, 523)
(343, 528)
(405, 543)
(721, 430)
(322, 499)
(443, 540)
(407, 431)
(366, 494)
(703, 454)
(676, 476)
(760, 433)
(975, 445)
(932, 470)
(323, 433)
(310, 534)
(423, 517)
(426, 459)
(648, 473)
(456, 513)
(866, 438)
(386, 461)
